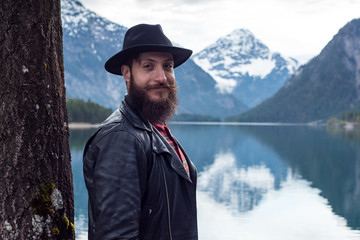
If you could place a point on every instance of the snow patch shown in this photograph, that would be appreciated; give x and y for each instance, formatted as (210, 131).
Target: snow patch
(111, 27)
(258, 67)
(223, 85)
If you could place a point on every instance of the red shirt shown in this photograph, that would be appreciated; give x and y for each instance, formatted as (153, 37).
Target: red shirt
(165, 132)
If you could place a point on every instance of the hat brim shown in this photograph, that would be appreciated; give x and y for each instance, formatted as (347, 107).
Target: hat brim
(113, 65)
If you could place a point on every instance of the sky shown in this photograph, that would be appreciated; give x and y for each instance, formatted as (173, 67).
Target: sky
(294, 28)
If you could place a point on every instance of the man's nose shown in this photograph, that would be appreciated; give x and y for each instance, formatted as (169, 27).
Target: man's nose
(160, 75)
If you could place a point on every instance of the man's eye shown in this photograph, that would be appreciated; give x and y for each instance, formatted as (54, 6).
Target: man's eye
(147, 66)
(168, 66)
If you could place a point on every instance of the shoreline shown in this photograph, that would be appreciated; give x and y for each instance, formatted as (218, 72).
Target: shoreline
(346, 126)
(83, 125)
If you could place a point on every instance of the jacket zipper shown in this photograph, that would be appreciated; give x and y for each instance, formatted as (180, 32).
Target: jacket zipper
(167, 201)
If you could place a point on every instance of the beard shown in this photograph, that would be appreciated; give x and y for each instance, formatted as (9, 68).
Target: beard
(155, 111)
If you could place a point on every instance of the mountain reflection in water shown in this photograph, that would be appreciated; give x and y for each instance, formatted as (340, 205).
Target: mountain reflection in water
(262, 182)
(239, 188)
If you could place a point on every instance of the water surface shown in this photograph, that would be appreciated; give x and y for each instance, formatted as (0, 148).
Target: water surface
(262, 182)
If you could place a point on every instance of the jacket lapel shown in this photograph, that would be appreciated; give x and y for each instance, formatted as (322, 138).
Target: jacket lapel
(192, 168)
(160, 146)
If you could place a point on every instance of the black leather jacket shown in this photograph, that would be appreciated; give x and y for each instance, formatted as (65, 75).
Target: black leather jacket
(138, 188)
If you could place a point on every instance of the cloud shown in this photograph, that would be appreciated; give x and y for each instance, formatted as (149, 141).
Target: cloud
(296, 28)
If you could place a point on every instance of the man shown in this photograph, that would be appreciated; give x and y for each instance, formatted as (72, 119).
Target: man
(140, 181)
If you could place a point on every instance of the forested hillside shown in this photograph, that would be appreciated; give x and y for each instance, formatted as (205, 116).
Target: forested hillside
(90, 112)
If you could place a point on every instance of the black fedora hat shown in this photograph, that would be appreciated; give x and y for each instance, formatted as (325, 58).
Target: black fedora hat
(145, 38)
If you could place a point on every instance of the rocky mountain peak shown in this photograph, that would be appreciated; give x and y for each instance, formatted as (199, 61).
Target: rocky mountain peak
(240, 45)
(241, 64)
(78, 20)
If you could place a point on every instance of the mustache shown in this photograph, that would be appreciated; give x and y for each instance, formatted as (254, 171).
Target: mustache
(161, 85)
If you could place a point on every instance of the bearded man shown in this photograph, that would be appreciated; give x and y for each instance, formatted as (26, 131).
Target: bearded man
(140, 181)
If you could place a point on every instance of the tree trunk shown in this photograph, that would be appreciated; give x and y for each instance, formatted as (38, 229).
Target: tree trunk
(36, 192)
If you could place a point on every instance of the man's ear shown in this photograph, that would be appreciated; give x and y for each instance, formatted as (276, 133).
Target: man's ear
(125, 71)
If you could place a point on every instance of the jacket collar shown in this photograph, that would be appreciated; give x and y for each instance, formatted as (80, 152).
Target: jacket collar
(135, 117)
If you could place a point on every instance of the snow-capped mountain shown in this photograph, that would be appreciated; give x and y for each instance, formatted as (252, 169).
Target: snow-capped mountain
(241, 64)
(89, 40)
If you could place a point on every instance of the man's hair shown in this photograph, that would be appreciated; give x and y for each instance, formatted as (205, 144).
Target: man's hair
(134, 57)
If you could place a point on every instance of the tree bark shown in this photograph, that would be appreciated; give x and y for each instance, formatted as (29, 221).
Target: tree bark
(36, 192)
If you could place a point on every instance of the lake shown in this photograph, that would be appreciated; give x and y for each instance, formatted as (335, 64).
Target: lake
(262, 181)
